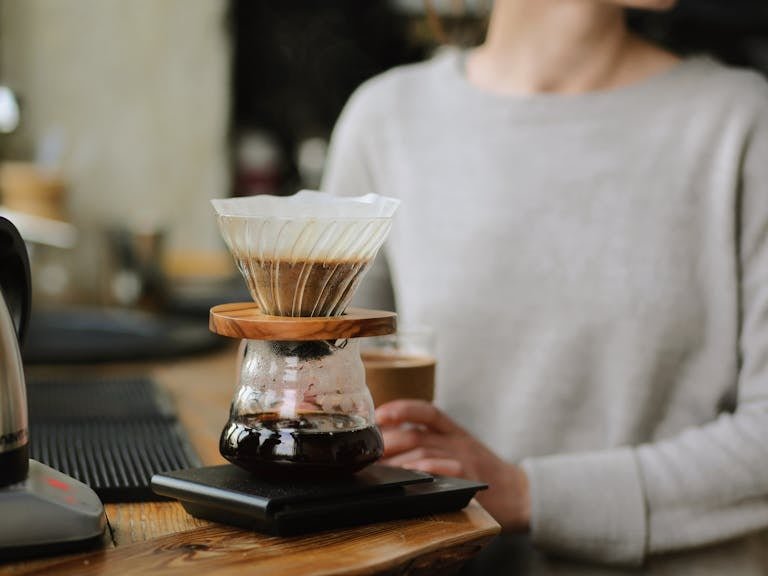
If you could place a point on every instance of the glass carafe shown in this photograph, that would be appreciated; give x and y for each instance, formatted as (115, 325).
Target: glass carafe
(301, 407)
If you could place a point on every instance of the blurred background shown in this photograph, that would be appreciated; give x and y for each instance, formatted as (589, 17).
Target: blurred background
(120, 120)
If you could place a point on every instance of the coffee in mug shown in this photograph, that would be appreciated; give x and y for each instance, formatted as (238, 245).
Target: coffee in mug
(400, 366)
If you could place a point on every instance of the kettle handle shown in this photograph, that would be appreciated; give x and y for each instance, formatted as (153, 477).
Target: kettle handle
(15, 281)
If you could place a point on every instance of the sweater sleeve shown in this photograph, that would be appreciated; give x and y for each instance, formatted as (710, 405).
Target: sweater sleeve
(705, 485)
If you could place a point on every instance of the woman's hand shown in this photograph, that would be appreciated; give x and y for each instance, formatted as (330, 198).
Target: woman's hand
(420, 437)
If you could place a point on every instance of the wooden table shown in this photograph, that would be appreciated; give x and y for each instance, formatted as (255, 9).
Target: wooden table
(160, 537)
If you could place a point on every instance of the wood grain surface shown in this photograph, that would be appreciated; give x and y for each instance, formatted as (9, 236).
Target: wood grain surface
(161, 538)
(133, 522)
(419, 546)
(246, 320)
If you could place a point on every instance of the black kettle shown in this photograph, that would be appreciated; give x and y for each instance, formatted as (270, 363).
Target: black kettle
(15, 301)
(43, 511)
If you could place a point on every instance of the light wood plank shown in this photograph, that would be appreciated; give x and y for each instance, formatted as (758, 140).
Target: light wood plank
(141, 521)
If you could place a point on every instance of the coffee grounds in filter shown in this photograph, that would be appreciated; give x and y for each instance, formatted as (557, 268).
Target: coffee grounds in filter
(301, 288)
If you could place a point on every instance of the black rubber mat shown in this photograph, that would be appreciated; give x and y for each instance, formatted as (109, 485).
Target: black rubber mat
(111, 433)
(93, 336)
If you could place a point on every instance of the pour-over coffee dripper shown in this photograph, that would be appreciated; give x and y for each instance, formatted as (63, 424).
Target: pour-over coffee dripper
(304, 255)
(301, 420)
(301, 404)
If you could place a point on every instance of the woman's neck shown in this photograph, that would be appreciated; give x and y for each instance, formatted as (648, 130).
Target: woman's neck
(560, 46)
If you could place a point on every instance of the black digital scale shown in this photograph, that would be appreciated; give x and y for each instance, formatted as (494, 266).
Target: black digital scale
(230, 495)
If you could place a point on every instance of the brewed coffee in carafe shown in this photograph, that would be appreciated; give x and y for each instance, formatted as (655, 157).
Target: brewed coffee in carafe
(301, 407)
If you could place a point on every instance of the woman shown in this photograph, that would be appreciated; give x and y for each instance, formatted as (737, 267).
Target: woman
(584, 221)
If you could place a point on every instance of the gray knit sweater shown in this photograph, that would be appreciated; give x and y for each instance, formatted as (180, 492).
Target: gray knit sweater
(596, 267)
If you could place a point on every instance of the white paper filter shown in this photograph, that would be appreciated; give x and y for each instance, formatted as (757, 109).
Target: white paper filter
(304, 255)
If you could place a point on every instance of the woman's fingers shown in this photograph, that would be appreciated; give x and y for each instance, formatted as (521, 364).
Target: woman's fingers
(398, 440)
(439, 466)
(414, 412)
(420, 453)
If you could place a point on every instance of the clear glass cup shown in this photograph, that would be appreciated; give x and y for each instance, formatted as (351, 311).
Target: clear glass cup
(400, 365)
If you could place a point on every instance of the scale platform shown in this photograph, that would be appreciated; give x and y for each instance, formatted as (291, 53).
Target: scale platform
(233, 496)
